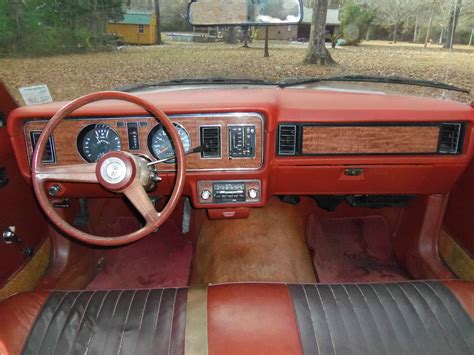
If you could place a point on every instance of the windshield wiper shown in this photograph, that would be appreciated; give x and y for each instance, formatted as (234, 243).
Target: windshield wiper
(372, 79)
(197, 81)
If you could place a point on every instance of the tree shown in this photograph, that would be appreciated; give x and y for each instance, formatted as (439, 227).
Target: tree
(355, 22)
(45, 27)
(394, 13)
(452, 24)
(174, 16)
(159, 40)
(317, 51)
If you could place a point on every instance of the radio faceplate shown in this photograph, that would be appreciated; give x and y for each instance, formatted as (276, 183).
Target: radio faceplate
(229, 192)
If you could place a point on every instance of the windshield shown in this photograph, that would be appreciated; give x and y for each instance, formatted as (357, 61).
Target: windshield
(75, 48)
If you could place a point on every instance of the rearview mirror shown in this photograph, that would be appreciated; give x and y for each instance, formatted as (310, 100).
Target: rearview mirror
(245, 12)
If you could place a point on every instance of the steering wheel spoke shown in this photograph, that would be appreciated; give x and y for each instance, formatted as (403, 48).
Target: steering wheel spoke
(138, 197)
(68, 173)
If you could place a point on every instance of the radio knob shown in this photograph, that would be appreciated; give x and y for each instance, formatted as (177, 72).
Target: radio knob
(253, 194)
(206, 195)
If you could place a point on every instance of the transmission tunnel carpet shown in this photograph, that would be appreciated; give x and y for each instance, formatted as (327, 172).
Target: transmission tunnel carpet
(352, 250)
(268, 247)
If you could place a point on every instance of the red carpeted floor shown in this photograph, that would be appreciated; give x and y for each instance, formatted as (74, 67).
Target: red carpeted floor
(352, 250)
(162, 259)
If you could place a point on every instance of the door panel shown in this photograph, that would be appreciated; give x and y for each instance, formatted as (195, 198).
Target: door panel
(459, 221)
(18, 205)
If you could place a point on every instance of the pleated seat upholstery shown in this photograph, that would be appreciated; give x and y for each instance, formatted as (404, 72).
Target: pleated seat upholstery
(399, 318)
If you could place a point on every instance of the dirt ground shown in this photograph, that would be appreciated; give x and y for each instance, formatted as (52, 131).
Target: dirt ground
(70, 76)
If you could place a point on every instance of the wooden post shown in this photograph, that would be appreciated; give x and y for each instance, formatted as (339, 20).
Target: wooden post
(470, 39)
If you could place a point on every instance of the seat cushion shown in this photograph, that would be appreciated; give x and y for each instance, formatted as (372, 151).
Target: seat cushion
(411, 317)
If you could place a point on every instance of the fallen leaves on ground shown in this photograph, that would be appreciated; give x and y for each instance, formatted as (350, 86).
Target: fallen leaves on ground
(70, 76)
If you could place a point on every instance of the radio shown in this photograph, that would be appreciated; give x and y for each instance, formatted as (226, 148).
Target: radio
(229, 192)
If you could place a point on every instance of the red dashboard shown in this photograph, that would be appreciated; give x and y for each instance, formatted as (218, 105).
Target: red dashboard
(275, 142)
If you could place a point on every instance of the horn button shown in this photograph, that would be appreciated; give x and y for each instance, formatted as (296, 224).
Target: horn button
(113, 170)
(116, 170)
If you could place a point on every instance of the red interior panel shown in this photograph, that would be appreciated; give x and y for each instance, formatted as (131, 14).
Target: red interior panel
(18, 203)
(460, 212)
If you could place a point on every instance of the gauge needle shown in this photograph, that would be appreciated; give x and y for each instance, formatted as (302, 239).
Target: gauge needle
(163, 151)
(202, 148)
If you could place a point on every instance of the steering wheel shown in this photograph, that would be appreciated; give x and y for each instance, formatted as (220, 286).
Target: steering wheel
(119, 172)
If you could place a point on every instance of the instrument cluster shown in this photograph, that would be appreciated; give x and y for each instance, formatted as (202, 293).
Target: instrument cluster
(96, 140)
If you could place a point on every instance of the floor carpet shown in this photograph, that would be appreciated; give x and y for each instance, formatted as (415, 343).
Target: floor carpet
(352, 250)
(163, 259)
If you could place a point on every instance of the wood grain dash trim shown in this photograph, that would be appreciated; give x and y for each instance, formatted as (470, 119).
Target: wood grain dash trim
(66, 134)
(370, 140)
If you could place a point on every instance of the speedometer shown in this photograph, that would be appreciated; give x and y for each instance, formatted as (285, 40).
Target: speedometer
(160, 144)
(96, 140)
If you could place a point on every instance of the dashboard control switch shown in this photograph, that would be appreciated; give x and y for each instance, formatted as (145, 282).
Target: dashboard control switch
(206, 195)
(253, 194)
(133, 136)
(54, 190)
(242, 141)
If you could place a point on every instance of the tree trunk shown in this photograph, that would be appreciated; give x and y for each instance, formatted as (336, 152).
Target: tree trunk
(267, 35)
(430, 24)
(231, 35)
(452, 24)
(415, 31)
(96, 20)
(395, 32)
(16, 6)
(159, 40)
(246, 36)
(317, 51)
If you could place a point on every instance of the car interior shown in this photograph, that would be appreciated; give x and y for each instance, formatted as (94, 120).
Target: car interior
(237, 219)
(291, 188)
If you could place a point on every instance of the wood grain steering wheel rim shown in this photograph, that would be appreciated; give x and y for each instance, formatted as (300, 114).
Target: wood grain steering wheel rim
(131, 184)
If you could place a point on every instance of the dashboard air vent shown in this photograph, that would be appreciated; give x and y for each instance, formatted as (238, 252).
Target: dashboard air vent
(211, 137)
(287, 140)
(49, 156)
(450, 138)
